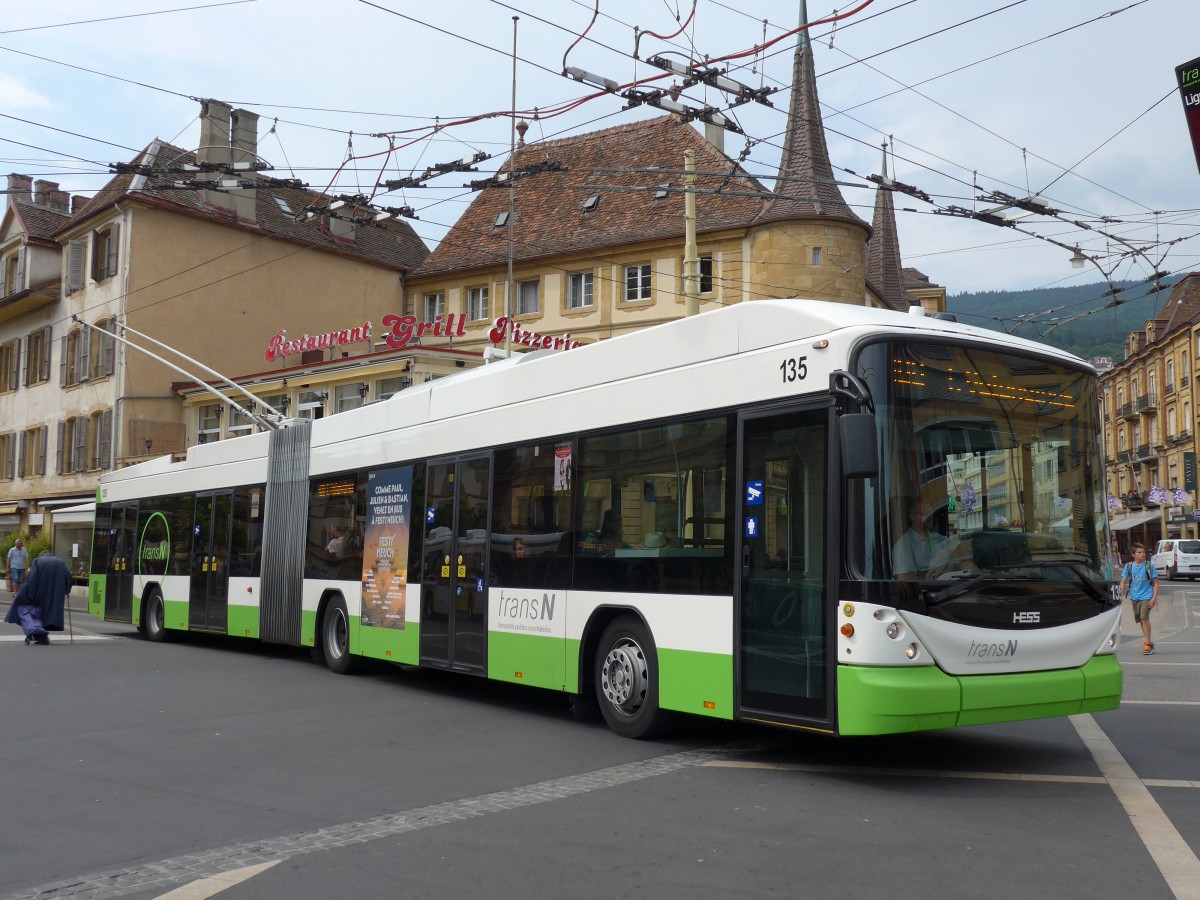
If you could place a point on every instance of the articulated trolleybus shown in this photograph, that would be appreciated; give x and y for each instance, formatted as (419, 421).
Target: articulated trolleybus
(799, 513)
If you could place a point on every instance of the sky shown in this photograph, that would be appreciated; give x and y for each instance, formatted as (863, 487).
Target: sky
(1073, 101)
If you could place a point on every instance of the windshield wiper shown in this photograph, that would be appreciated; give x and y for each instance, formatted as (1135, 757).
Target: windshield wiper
(965, 587)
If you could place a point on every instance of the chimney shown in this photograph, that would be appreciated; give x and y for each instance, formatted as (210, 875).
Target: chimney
(19, 187)
(214, 133)
(244, 145)
(244, 135)
(78, 202)
(715, 135)
(60, 201)
(42, 192)
(214, 149)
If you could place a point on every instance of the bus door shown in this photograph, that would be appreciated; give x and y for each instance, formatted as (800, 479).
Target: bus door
(783, 640)
(122, 563)
(208, 599)
(454, 574)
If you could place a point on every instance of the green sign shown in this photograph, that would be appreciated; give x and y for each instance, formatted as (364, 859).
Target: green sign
(1189, 471)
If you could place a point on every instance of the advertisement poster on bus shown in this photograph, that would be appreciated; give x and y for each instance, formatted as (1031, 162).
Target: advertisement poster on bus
(385, 547)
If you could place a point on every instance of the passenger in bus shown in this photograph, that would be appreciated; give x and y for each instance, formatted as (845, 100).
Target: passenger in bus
(338, 545)
(611, 531)
(917, 548)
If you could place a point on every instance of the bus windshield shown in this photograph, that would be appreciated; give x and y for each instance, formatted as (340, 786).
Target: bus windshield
(990, 467)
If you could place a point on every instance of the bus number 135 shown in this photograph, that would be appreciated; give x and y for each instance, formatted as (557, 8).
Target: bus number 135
(794, 369)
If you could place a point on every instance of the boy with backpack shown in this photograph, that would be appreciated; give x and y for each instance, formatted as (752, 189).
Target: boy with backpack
(1140, 579)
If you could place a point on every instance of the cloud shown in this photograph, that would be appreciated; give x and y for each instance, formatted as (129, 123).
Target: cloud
(16, 94)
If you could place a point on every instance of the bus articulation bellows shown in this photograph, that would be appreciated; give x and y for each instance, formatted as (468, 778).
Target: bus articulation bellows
(806, 514)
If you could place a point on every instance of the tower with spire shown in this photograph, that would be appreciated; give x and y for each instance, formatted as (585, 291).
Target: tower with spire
(807, 242)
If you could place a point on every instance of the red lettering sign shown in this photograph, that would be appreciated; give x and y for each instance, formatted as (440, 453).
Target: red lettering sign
(279, 346)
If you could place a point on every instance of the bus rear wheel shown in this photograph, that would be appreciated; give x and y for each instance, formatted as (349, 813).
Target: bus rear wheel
(335, 638)
(627, 680)
(156, 617)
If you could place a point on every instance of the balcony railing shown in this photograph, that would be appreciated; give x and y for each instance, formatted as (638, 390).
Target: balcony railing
(1125, 411)
(1143, 452)
(1146, 402)
(1125, 456)
(1169, 390)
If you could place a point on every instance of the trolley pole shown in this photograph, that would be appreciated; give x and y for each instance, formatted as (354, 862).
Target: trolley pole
(691, 256)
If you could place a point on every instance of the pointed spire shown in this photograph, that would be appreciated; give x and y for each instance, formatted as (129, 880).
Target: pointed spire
(806, 188)
(885, 273)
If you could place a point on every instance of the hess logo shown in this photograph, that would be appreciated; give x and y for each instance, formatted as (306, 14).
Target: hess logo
(1026, 618)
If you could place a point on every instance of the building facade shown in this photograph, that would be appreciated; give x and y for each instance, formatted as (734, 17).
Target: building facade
(1149, 408)
(175, 250)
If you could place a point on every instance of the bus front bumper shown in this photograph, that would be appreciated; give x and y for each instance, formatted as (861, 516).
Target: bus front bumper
(883, 700)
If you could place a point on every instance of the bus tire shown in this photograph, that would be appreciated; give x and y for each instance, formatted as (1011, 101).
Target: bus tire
(155, 620)
(335, 638)
(626, 672)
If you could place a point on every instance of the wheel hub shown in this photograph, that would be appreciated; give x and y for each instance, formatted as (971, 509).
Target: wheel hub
(623, 676)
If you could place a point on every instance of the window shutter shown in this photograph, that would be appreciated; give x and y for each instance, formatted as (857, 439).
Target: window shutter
(3, 277)
(21, 457)
(20, 277)
(108, 364)
(14, 377)
(9, 464)
(43, 440)
(105, 440)
(76, 250)
(62, 361)
(22, 350)
(114, 244)
(83, 347)
(46, 336)
(58, 453)
(81, 436)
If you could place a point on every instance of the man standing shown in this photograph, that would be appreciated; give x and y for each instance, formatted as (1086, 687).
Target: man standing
(1140, 578)
(18, 562)
(38, 606)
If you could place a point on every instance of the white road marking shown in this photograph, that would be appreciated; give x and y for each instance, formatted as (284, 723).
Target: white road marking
(208, 887)
(1162, 702)
(1174, 858)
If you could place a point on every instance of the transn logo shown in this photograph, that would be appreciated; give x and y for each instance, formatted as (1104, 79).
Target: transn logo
(1026, 618)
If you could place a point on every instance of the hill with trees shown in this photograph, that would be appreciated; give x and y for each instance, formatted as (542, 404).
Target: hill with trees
(1102, 333)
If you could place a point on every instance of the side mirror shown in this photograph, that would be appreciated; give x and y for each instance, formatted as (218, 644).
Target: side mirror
(860, 453)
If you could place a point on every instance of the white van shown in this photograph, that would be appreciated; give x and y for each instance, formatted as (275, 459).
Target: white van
(1176, 558)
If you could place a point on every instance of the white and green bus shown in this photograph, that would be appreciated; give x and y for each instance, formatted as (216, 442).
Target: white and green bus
(806, 514)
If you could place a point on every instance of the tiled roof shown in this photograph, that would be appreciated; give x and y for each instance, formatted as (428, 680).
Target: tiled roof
(807, 188)
(1182, 306)
(885, 273)
(550, 216)
(395, 245)
(41, 221)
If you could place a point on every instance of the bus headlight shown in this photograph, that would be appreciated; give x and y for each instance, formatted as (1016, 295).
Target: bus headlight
(911, 651)
(893, 630)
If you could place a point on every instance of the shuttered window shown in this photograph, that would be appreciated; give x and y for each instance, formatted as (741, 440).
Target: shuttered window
(104, 454)
(76, 252)
(105, 244)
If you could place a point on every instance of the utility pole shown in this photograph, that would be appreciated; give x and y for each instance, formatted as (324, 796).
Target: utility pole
(512, 197)
(691, 256)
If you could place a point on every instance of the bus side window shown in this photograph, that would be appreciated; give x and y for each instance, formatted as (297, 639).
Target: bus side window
(531, 537)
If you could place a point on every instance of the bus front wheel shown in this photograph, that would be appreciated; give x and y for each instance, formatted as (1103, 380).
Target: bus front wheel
(335, 638)
(156, 617)
(627, 680)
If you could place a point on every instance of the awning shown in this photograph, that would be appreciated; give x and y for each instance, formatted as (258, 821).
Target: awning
(83, 514)
(8, 509)
(1131, 520)
(65, 501)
